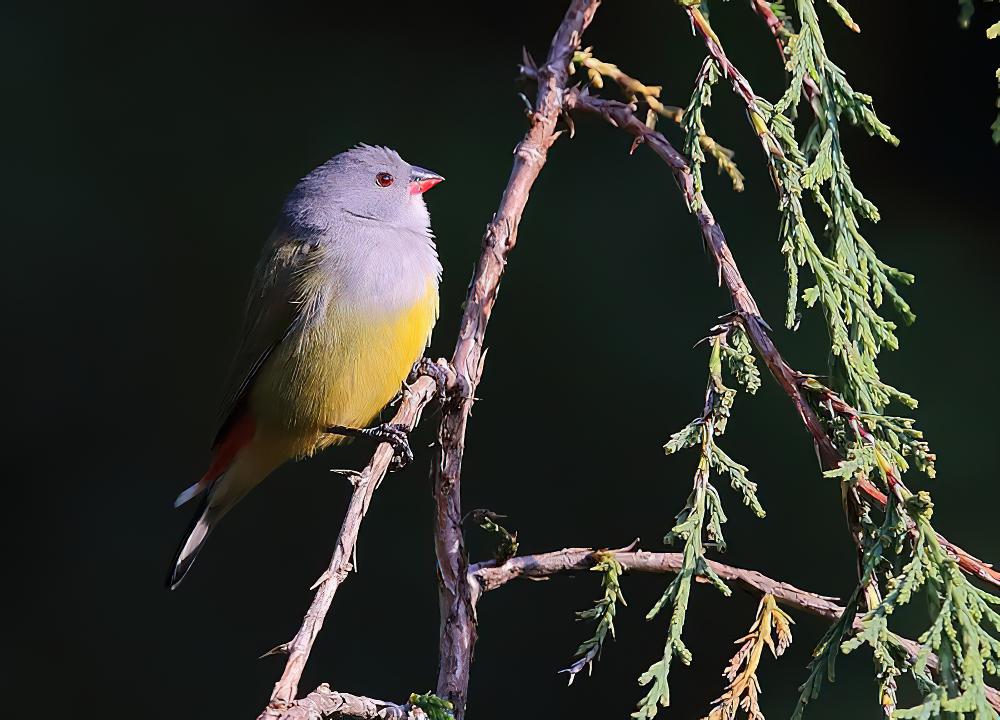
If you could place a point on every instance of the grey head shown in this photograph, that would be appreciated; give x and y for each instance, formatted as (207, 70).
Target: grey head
(367, 184)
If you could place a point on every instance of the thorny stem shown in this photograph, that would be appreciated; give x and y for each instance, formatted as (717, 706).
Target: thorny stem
(415, 397)
(455, 594)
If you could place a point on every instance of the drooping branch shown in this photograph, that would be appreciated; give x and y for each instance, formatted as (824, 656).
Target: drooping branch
(415, 397)
(791, 381)
(714, 46)
(458, 629)
(622, 116)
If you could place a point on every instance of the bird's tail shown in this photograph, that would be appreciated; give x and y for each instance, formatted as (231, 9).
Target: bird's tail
(193, 542)
(222, 495)
(249, 466)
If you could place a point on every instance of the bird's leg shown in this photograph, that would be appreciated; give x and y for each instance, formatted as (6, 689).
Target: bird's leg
(396, 435)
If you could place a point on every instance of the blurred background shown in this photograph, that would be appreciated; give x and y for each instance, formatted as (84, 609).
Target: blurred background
(149, 147)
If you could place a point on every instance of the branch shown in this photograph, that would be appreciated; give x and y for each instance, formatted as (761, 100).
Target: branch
(324, 703)
(790, 380)
(621, 115)
(810, 89)
(415, 397)
(741, 86)
(650, 94)
(491, 576)
(774, 24)
(458, 625)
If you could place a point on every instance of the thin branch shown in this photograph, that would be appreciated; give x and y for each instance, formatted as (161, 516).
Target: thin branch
(774, 24)
(621, 115)
(415, 397)
(714, 46)
(791, 381)
(458, 625)
(741, 86)
(810, 90)
(490, 576)
(650, 94)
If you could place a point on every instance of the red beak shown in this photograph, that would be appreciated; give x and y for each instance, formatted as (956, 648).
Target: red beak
(422, 180)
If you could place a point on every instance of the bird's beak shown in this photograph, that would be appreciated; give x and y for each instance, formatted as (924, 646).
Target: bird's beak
(422, 180)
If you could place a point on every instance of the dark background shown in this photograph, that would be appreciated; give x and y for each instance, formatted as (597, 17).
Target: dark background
(148, 148)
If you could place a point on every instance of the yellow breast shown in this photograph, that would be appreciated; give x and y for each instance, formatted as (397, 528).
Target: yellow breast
(342, 371)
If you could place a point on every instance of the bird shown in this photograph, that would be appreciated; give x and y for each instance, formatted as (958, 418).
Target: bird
(342, 304)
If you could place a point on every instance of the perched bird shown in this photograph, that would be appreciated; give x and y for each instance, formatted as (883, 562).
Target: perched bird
(342, 304)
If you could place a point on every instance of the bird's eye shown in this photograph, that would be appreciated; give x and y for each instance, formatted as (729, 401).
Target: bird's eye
(384, 179)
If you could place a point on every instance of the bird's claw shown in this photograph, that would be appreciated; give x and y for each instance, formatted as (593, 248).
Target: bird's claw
(398, 437)
(437, 371)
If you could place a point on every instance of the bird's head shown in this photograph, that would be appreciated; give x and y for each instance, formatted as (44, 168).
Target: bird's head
(367, 183)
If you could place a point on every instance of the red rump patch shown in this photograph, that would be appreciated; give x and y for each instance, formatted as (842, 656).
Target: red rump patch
(239, 434)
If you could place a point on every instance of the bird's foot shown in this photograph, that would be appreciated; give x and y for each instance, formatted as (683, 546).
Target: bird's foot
(437, 370)
(398, 437)
(395, 435)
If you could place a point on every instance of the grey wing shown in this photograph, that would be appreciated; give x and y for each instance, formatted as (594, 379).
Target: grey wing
(275, 307)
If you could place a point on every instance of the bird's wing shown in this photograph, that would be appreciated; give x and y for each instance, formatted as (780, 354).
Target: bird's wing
(276, 306)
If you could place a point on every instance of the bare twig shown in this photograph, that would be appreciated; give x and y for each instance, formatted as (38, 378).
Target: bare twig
(791, 381)
(491, 576)
(415, 397)
(458, 624)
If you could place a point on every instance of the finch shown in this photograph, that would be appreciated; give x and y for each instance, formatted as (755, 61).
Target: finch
(342, 304)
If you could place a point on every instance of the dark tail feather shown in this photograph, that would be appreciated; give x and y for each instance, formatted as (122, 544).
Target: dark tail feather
(193, 542)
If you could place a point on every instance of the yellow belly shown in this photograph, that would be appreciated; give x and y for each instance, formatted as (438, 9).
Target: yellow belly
(342, 371)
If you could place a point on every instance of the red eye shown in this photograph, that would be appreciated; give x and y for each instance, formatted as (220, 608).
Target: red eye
(384, 179)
